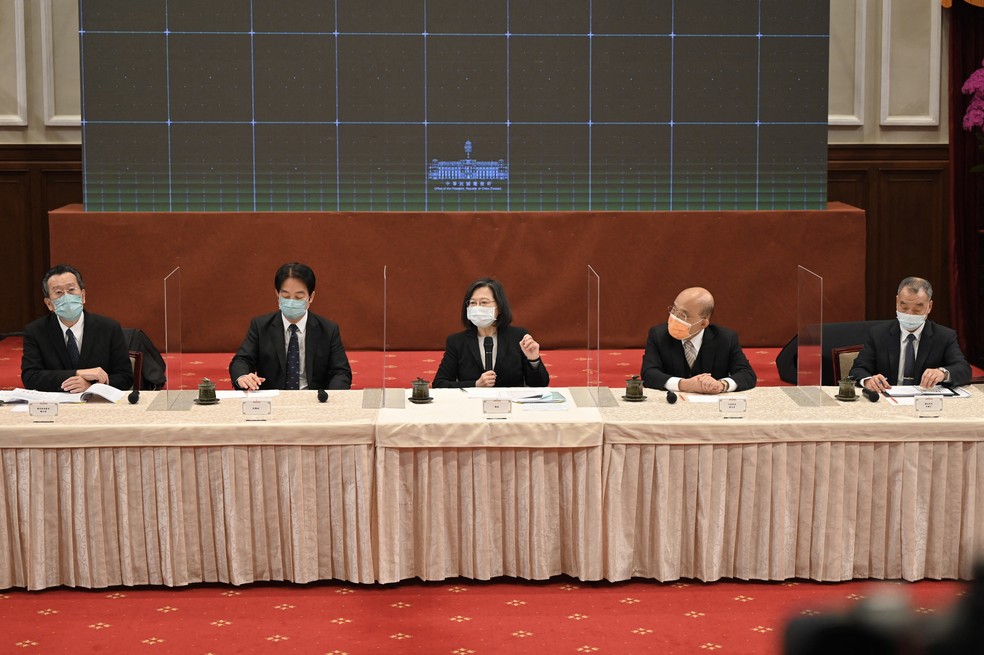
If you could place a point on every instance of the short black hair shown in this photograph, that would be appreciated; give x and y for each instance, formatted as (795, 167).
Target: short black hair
(60, 269)
(297, 270)
(505, 314)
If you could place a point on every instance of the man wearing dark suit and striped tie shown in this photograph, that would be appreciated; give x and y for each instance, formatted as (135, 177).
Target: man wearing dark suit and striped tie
(911, 350)
(689, 354)
(70, 349)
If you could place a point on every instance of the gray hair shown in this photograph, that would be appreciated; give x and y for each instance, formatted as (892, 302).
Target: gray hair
(915, 285)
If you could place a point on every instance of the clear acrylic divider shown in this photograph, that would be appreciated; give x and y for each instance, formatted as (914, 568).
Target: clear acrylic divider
(394, 394)
(375, 397)
(593, 394)
(174, 397)
(809, 337)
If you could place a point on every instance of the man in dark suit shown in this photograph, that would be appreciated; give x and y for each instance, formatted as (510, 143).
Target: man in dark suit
(292, 348)
(911, 350)
(689, 354)
(70, 349)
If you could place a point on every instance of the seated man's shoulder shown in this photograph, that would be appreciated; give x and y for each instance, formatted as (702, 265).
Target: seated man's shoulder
(99, 319)
(324, 321)
(722, 331)
(659, 329)
(943, 330)
(39, 323)
(263, 320)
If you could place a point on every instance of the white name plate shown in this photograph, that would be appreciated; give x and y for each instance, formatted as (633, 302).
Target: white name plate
(43, 411)
(496, 406)
(928, 406)
(257, 407)
(733, 407)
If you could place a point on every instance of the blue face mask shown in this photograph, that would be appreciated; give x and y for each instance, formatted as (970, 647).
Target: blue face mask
(910, 322)
(293, 309)
(68, 307)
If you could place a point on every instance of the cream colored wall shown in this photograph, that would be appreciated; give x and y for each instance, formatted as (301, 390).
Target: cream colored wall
(887, 71)
(39, 71)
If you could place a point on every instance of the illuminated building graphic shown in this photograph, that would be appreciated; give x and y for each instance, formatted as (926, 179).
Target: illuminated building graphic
(468, 174)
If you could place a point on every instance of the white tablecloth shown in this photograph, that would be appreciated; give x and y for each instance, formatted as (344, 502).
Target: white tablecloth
(830, 492)
(116, 494)
(460, 493)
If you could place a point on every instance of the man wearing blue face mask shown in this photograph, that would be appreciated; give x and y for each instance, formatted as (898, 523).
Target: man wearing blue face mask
(911, 350)
(291, 348)
(70, 349)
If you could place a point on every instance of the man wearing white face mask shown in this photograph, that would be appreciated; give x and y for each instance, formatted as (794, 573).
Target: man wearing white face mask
(291, 348)
(70, 349)
(689, 354)
(491, 352)
(911, 350)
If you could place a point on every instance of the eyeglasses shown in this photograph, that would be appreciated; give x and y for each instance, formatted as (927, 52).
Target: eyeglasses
(58, 293)
(683, 315)
(484, 302)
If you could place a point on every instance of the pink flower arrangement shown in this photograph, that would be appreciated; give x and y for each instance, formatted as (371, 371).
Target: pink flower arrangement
(974, 116)
(974, 86)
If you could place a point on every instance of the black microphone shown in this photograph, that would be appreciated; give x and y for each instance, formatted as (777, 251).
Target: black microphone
(488, 353)
(671, 397)
(322, 396)
(869, 394)
(134, 397)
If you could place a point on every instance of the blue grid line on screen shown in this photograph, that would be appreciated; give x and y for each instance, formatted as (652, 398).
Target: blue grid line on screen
(338, 162)
(508, 103)
(252, 102)
(672, 101)
(167, 68)
(424, 72)
(590, 98)
(367, 186)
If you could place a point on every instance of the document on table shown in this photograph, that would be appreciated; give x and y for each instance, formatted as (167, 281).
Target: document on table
(257, 395)
(507, 393)
(546, 397)
(713, 398)
(546, 407)
(95, 392)
(905, 396)
(910, 391)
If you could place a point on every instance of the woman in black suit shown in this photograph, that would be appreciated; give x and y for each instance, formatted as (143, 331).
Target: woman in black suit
(491, 352)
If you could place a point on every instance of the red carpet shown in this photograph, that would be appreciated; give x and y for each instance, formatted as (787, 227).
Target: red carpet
(568, 368)
(455, 617)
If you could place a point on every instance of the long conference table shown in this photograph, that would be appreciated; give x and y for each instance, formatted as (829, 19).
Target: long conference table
(110, 495)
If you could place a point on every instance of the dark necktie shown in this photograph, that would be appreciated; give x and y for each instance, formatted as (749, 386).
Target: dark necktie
(488, 353)
(909, 368)
(73, 349)
(293, 360)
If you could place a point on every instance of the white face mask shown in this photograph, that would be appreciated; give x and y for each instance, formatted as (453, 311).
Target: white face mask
(481, 316)
(910, 322)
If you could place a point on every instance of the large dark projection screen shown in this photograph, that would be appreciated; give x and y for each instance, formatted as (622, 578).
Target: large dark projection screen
(454, 105)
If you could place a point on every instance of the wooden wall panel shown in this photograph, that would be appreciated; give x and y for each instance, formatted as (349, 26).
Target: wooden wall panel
(904, 191)
(906, 242)
(33, 180)
(15, 262)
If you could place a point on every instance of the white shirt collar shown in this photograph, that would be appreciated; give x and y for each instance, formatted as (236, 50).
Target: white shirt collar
(76, 329)
(696, 340)
(301, 324)
(918, 332)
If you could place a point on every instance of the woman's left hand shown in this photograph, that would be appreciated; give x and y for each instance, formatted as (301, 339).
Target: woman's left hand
(530, 348)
